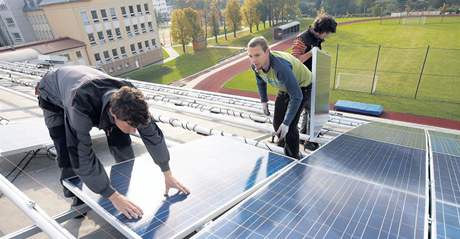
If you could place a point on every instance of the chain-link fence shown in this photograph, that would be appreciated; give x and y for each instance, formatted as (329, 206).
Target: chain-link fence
(426, 73)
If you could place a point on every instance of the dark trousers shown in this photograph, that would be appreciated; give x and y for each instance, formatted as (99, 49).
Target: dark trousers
(291, 142)
(119, 145)
(304, 125)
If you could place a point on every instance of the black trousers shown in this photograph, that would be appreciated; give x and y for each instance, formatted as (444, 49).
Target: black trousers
(119, 145)
(291, 142)
(306, 113)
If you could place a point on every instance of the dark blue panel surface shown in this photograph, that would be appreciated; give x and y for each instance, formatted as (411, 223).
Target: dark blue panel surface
(445, 143)
(312, 203)
(447, 221)
(392, 134)
(447, 177)
(216, 170)
(388, 164)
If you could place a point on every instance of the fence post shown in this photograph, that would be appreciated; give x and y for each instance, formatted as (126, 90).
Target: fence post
(336, 61)
(421, 72)
(375, 69)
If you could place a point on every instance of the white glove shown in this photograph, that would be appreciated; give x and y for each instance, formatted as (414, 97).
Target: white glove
(282, 131)
(265, 108)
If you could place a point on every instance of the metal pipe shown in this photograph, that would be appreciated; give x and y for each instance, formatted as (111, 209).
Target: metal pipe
(33, 211)
(174, 122)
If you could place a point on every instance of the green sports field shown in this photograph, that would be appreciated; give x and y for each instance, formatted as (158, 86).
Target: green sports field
(403, 49)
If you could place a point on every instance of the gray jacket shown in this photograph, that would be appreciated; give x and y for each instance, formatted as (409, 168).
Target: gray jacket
(83, 94)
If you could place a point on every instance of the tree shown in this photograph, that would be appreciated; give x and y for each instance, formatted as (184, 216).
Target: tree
(214, 18)
(249, 13)
(180, 28)
(193, 19)
(233, 15)
(262, 12)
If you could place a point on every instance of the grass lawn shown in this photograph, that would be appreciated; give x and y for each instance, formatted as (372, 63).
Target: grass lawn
(165, 53)
(401, 57)
(180, 67)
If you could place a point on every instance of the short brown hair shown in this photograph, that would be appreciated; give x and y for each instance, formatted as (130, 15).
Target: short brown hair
(128, 104)
(258, 41)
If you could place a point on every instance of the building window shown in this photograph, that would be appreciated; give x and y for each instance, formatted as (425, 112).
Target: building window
(84, 17)
(123, 12)
(115, 53)
(133, 49)
(147, 45)
(146, 8)
(143, 28)
(150, 26)
(9, 22)
(94, 16)
(131, 11)
(128, 30)
(118, 33)
(97, 56)
(139, 9)
(136, 29)
(107, 56)
(91, 39)
(123, 51)
(109, 35)
(113, 14)
(139, 45)
(154, 44)
(78, 53)
(17, 37)
(104, 15)
(100, 35)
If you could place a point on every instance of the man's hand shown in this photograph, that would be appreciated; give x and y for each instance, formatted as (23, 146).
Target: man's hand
(171, 182)
(265, 108)
(298, 48)
(282, 131)
(122, 204)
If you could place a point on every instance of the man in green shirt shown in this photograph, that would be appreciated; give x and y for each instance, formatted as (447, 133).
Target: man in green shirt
(293, 81)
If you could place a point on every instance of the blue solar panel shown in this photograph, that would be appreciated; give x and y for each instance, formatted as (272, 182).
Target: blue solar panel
(447, 177)
(392, 134)
(445, 143)
(217, 170)
(309, 202)
(447, 221)
(392, 165)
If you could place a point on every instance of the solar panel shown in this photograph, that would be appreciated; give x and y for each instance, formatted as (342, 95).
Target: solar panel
(446, 166)
(309, 202)
(219, 172)
(447, 220)
(25, 135)
(388, 164)
(22, 136)
(445, 143)
(319, 105)
(447, 177)
(393, 134)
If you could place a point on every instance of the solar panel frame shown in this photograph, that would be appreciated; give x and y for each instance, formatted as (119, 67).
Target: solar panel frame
(374, 161)
(392, 134)
(444, 155)
(344, 181)
(214, 209)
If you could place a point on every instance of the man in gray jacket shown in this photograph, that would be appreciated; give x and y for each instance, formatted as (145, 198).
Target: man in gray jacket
(76, 98)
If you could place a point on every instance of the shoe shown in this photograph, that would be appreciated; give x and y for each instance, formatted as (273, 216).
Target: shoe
(75, 203)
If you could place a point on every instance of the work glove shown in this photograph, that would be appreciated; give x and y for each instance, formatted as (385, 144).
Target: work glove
(282, 131)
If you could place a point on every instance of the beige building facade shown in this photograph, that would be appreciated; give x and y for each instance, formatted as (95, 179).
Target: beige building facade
(120, 35)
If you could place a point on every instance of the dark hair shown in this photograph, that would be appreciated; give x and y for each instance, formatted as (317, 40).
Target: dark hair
(258, 41)
(128, 104)
(324, 23)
